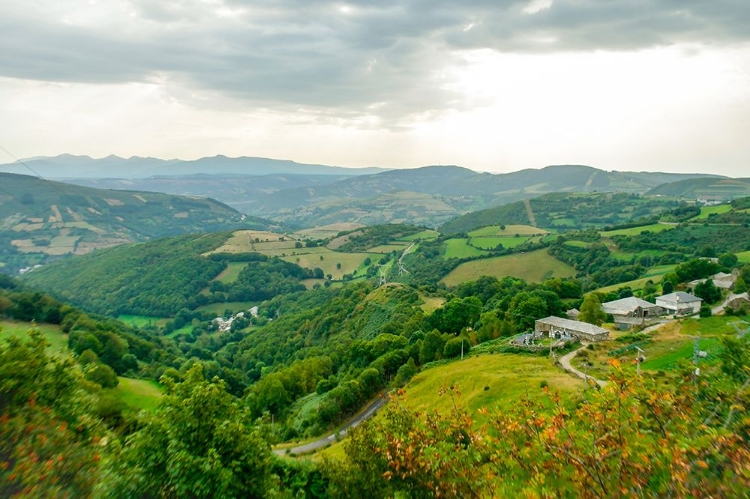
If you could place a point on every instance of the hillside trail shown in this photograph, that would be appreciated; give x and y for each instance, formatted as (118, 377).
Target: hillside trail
(565, 363)
(530, 212)
(369, 412)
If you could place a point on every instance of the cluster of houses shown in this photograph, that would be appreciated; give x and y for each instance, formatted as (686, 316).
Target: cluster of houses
(628, 313)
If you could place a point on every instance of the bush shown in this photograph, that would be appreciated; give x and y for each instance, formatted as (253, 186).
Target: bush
(102, 375)
(705, 311)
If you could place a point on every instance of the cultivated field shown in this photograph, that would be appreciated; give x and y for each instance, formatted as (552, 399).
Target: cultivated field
(230, 274)
(534, 266)
(326, 231)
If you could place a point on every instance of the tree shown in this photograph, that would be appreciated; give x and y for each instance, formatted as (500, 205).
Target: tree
(707, 291)
(524, 309)
(432, 347)
(591, 310)
(199, 443)
(667, 287)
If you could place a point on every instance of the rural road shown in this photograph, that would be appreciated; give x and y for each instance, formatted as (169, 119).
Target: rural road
(322, 442)
(565, 363)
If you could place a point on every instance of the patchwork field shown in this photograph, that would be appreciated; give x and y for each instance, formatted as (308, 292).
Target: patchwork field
(534, 266)
(425, 235)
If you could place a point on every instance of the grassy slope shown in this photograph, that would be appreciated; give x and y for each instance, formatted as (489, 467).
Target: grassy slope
(532, 266)
(459, 248)
(139, 393)
(711, 210)
(634, 231)
(744, 256)
(57, 339)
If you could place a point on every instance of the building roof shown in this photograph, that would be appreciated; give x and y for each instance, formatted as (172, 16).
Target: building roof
(680, 297)
(582, 327)
(626, 305)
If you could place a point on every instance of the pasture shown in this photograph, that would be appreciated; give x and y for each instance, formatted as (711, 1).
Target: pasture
(139, 394)
(634, 231)
(234, 306)
(533, 266)
(492, 381)
(707, 211)
(330, 261)
(230, 274)
(744, 257)
(58, 341)
(326, 231)
(142, 320)
(459, 248)
(488, 243)
(509, 231)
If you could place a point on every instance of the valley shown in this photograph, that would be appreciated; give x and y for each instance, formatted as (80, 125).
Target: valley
(295, 325)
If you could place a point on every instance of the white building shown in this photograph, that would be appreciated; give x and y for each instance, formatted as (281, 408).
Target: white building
(680, 303)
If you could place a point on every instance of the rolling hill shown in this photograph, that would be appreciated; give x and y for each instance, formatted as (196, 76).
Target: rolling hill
(705, 188)
(42, 220)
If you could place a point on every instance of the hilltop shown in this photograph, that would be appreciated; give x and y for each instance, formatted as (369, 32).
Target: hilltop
(41, 220)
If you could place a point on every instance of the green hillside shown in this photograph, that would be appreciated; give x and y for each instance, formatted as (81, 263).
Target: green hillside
(41, 220)
(712, 188)
(565, 211)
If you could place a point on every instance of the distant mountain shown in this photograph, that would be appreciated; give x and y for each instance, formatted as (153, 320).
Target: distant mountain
(42, 220)
(705, 188)
(69, 166)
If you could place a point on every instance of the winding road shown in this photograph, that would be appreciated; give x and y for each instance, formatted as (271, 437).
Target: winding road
(565, 363)
(323, 441)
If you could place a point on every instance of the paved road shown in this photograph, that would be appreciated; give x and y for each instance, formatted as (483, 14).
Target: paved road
(322, 442)
(565, 363)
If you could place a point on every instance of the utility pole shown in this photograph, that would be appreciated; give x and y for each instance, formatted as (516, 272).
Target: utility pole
(462, 349)
(640, 358)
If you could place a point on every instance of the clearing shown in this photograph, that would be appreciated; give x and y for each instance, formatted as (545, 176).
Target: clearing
(533, 266)
(57, 339)
(139, 394)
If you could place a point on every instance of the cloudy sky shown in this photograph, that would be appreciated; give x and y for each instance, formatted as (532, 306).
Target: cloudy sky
(492, 85)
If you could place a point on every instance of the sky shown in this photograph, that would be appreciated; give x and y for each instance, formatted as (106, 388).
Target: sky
(491, 85)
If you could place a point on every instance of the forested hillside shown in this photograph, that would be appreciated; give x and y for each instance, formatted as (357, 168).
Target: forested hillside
(42, 220)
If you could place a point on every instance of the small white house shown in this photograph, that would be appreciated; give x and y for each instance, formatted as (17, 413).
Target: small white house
(680, 303)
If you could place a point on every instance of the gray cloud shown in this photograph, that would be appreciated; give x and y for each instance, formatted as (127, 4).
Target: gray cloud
(383, 58)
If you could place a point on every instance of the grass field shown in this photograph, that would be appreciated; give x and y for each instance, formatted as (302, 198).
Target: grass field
(57, 339)
(744, 257)
(533, 266)
(431, 303)
(624, 255)
(654, 274)
(349, 262)
(326, 231)
(142, 320)
(634, 231)
(494, 381)
(459, 248)
(230, 274)
(712, 210)
(388, 248)
(510, 231)
(139, 393)
(492, 242)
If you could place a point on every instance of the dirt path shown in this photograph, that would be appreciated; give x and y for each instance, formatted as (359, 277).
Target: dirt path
(323, 441)
(565, 363)
(530, 212)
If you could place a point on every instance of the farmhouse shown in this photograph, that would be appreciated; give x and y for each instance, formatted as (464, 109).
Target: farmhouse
(631, 311)
(679, 303)
(721, 280)
(557, 327)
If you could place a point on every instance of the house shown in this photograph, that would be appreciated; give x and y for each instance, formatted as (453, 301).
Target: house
(680, 303)
(573, 313)
(631, 311)
(557, 327)
(735, 302)
(721, 280)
